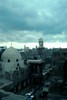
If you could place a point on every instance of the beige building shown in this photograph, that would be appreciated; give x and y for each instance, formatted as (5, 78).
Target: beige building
(11, 60)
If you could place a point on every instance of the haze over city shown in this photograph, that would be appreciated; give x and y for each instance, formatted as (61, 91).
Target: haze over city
(23, 22)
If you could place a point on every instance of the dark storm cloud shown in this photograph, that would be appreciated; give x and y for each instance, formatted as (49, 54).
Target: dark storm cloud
(33, 19)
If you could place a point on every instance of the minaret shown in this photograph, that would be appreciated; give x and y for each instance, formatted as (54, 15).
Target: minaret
(11, 44)
(41, 49)
(40, 43)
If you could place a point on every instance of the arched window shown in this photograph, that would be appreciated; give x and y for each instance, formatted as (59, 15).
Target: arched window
(17, 64)
(16, 60)
(8, 60)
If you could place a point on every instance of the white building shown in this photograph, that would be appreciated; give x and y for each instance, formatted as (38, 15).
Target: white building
(11, 60)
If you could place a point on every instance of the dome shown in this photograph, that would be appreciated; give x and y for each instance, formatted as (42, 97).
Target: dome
(11, 54)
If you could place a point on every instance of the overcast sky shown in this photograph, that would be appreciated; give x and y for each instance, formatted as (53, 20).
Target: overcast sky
(24, 21)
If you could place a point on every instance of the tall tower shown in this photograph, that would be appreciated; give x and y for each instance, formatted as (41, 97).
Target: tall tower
(40, 43)
(41, 49)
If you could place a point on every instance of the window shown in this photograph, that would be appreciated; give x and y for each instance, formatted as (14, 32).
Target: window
(64, 53)
(22, 72)
(16, 60)
(17, 68)
(17, 64)
(8, 60)
(58, 54)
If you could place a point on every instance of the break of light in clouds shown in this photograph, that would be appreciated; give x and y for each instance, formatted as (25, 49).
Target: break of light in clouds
(33, 45)
(24, 21)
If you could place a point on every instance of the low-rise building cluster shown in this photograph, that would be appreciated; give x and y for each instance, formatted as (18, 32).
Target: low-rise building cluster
(36, 74)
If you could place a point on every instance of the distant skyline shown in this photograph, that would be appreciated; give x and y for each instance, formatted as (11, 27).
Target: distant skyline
(33, 45)
(23, 22)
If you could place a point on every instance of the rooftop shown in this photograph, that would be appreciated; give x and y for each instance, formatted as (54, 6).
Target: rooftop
(34, 61)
